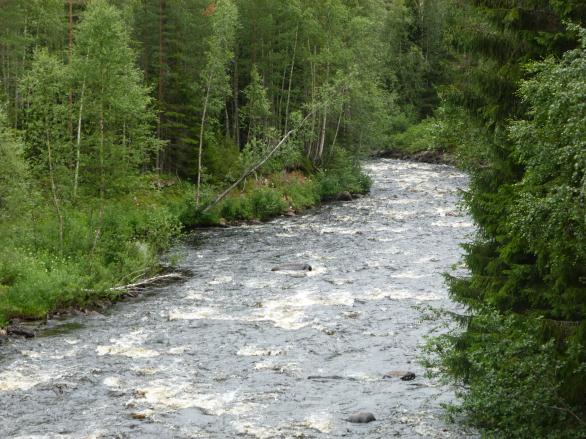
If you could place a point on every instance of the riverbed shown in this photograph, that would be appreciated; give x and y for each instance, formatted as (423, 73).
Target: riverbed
(240, 351)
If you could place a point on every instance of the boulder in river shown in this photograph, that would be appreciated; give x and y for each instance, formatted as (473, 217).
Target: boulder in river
(405, 376)
(292, 267)
(21, 331)
(361, 418)
(344, 196)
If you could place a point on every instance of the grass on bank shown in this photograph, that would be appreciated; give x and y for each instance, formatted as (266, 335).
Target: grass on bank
(39, 275)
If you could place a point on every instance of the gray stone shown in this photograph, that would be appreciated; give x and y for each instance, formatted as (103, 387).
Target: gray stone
(344, 196)
(292, 267)
(361, 418)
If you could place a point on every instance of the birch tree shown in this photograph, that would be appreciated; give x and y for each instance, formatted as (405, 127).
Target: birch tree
(45, 91)
(117, 134)
(215, 78)
(112, 103)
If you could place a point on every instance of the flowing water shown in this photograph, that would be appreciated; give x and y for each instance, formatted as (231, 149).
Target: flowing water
(239, 351)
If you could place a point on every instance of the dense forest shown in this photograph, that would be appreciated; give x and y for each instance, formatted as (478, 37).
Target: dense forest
(123, 123)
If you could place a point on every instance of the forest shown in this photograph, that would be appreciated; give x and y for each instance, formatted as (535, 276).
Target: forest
(125, 123)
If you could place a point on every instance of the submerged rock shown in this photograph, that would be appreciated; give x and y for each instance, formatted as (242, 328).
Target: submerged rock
(361, 418)
(405, 376)
(292, 267)
(344, 196)
(19, 330)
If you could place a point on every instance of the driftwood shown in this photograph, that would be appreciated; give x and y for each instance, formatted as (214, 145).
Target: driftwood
(147, 282)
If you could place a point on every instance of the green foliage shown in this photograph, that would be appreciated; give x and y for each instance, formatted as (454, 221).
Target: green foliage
(14, 174)
(135, 230)
(81, 212)
(521, 365)
(342, 174)
(549, 216)
(117, 118)
(422, 136)
(513, 377)
(223, 160)
(257, 109)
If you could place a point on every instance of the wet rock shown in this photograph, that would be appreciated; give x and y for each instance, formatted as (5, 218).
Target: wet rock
(361, 418)
(138, 416)
(20, 331)
(223, 223)
(404, 375)
(330, 377)
(352, 315)
(292, 267)
(344, 196)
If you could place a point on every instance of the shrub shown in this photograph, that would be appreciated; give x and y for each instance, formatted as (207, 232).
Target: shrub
(511, 376)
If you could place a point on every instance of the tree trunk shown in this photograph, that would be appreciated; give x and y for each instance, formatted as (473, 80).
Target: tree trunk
(200, 150)
(56, 202)
(69, 58)
(102, 183)
(291, 80)
(78, 143)
(161, 80)
(337, 129)
(236, 122)
(256, 166)
(322, 137)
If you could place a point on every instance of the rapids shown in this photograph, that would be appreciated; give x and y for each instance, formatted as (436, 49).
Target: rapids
(239, 351)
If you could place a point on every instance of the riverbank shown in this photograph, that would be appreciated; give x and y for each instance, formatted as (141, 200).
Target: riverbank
(39, 280)
(229, 351)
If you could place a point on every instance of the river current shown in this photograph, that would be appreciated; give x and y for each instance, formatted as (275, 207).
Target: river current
(239, 351)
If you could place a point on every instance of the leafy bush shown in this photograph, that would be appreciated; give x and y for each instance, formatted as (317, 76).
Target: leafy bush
(342, 173)
(267, 202)
(422, 136)
(512, 377)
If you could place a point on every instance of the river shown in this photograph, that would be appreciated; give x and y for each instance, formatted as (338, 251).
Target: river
(239, 351)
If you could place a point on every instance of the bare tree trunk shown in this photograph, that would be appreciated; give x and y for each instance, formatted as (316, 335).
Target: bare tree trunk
(256, 166)
(161, 79)
(102, 183)
(227, 116)
(322, 137)
(310, 153)
(291, 81)
(236, 103)
(69, 59)
(200, 151)
(337, 129)
(279, 100)
(56, 202)
(78, 143)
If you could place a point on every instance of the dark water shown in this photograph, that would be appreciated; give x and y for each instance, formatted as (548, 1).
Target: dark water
(228, 353)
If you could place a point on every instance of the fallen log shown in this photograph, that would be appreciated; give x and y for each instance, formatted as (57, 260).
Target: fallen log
(147, 282)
